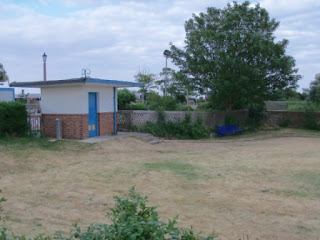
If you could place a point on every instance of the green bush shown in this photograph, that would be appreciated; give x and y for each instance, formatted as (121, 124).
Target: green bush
(182, 107)
(257, 113)
(13, 119)
(284, 122)
(310, 121)
(205, 106)
(303, 106)
(131, 218)
(157, 102)
(136, 106)
(125, 97)
(181, 130)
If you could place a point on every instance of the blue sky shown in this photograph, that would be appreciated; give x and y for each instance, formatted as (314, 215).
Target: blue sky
(117, 38)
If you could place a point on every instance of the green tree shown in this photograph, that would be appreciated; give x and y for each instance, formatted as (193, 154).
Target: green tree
(125, 97)
(314, 91)
(3, 74)
(186, 86)
(147, 79)
(167, 78)
(232, 52)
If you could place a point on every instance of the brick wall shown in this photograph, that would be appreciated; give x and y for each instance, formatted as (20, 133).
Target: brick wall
(74, 126)
(105, 123)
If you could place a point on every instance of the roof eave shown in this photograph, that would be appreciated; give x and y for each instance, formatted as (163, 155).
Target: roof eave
(40, 84)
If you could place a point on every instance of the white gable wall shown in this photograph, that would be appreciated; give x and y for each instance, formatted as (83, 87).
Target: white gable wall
(74, 99)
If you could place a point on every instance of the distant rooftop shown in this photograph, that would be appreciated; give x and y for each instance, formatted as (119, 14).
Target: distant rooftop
(75, 81)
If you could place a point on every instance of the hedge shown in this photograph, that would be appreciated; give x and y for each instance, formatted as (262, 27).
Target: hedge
(13, 119)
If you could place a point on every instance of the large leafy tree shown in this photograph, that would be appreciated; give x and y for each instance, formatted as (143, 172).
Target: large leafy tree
(233, 53)
(3, 74)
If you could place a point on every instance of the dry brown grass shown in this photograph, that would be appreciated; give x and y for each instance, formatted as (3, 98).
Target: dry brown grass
(266, 186)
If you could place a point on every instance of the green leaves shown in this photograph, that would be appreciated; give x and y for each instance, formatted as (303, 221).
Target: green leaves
(132, 218)
(13, 119)
(3, 75)
(147, 79)
(125, 97)
(232, 53)
(185, 129)
(314, 91)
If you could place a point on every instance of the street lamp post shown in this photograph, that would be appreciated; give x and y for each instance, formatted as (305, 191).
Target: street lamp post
(166, 53)
(44, 58)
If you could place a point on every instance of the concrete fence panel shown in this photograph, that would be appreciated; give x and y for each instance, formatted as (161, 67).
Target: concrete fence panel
(295, 119)
(126, 118)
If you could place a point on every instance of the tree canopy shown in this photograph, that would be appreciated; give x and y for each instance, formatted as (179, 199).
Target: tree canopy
(3, 74)
(232, 53)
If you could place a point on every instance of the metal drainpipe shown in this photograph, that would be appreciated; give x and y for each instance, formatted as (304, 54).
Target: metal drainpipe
(114, 112)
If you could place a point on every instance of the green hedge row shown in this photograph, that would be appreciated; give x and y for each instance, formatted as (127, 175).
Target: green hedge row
(13, 119)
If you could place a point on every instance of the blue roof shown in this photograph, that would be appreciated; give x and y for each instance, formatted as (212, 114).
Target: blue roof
(76, 81)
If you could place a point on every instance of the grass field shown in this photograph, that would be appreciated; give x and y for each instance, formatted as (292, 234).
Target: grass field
(264, 185)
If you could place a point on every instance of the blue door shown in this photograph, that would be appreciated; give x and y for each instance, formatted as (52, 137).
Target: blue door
(92, 117)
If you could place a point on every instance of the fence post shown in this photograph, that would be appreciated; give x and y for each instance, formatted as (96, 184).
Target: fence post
(58, 128)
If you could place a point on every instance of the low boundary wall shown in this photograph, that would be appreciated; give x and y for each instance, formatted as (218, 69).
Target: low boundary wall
(295, 119)
(127, 118)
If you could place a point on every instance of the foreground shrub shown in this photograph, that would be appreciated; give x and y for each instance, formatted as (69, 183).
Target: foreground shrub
(181, 130)
(131, 218)
(13, 119)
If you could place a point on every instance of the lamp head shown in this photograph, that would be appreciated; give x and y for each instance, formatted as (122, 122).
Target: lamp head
(44, 57)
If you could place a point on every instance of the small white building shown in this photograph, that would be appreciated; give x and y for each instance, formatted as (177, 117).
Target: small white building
(86, 106)
(6, 93)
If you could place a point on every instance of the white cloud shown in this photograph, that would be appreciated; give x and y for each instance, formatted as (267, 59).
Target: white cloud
(115, 38)
(281, 8)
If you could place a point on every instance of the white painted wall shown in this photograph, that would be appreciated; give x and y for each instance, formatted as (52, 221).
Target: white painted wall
(74, 99)
(105, 97)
